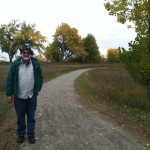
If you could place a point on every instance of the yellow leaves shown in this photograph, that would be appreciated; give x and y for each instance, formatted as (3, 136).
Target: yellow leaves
(112, 51)
(113, 55)
(82, 53)
(148, 145)
(121, 19)
(107, 6)
(70, 39)
(29, 35)
(40, 57)
(132, 11)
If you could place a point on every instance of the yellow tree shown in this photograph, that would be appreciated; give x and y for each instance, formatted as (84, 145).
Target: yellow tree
(40, 57)
(13, 35)
(52, 52)
(29, 35)
(7, 32)
(68, 41)
(113, 55)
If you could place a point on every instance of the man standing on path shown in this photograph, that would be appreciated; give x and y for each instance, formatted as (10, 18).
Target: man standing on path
(24, 81)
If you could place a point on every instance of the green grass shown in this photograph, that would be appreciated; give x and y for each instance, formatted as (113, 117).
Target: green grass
(114, 87)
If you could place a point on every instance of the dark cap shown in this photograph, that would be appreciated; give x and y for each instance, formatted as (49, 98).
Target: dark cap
(26, 47)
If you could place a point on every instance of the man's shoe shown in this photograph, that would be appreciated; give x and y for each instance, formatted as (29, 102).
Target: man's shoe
(31, 139)
(20, 139)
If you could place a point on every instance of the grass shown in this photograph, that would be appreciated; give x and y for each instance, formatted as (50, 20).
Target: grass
(114, 87)
(49, 70)
(3, 105)
(7, 115)
(108, 84)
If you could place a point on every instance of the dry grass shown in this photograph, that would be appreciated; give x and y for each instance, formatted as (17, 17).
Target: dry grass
(118, 87)
(115, 87)
(7, 114)
(49, 70)
(4, 67)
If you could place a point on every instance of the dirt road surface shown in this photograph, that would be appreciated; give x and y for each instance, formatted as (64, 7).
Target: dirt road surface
(64, 123)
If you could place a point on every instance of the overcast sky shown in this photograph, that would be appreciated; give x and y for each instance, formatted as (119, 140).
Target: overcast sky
(87, 16)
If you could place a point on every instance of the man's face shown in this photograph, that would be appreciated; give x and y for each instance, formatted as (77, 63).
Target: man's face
(26, 55)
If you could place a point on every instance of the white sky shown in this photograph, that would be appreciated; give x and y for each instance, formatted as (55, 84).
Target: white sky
(87, 16)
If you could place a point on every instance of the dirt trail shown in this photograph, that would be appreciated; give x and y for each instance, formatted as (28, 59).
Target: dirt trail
(64, 123)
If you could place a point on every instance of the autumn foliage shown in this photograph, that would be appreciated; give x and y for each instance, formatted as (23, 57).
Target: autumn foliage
(137, 58)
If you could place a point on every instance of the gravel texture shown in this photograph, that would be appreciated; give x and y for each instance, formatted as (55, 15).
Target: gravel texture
(64, 123)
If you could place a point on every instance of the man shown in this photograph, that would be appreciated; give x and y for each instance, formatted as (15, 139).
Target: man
(24, 81)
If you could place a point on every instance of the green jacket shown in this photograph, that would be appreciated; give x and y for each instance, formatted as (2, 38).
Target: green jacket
(12, 79)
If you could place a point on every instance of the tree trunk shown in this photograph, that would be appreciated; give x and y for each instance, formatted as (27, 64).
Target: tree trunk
(62, 52)
(10, 58)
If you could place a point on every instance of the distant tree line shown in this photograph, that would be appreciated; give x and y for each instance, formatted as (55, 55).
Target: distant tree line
(67, 44)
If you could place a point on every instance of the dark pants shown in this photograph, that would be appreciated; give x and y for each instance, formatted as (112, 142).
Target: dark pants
(25, 108)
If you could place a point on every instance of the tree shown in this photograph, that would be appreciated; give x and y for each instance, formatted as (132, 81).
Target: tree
(135, 11)
(7, 31)
(113, 55)
(68, 41)
(40, 58)
(13, 35)
(29, 35)
(92, 49)
(52, 52)
(137, 59)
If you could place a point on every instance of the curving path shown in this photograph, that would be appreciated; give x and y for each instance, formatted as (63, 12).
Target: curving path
(64, 123)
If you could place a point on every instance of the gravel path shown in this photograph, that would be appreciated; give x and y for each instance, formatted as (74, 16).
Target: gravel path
(64, 123)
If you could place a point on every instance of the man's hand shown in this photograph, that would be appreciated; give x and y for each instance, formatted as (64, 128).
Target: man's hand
(9, 99)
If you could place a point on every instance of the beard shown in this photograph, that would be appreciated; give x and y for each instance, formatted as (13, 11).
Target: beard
(26, 58)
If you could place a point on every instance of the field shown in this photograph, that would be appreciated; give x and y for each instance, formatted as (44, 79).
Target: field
(49, 70)
(108, 83)
(113, 88)
(108, 86)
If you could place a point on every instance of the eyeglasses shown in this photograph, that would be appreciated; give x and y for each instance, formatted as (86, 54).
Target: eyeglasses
(25, 52)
